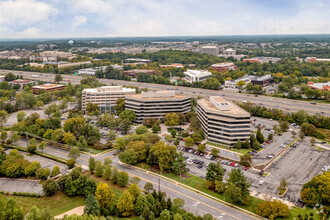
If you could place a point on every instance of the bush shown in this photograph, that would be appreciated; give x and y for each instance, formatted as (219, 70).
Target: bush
(122, 178)
(70, 163)
(50, 187)
(56, 170)
(43, 173)
(273, 209)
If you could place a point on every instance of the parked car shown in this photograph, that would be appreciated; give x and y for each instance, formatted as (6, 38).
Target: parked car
(200, 166)
(246, 168)
(232, 164)
(261, 182)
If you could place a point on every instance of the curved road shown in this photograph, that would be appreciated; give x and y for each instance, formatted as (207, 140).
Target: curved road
(286, 105)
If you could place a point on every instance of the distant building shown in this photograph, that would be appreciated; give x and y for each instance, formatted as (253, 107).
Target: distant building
(47, 88)
(262, 80)
(231, 53)
(92, 71)
(314, 59)
(196, 75)
(137, 60)
(173, 65)
(67, 64)
(319, 86)
(261, 60)
(223, 121)
(2, 78)
(157, 104)
(211, 50)
(231, 85)
(104, 96)
(21, 82)
(219, 67)
(53, 55)
(135, 72)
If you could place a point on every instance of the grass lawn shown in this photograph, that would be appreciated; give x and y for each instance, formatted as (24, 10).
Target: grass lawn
(143, 165)
(56, 204)
(327, 134)
(296, 211)
(94, 151)
(242, 151)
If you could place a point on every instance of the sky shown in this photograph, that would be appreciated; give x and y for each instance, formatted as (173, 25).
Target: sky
(131, 18)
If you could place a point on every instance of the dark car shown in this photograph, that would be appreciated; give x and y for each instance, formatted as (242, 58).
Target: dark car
(200, 166)
(262, 172)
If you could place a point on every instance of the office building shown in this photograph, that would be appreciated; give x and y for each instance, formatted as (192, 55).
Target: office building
(173, 65)
(211, 50)
(157, 104)
(314, 59)
(230, 53)
(196, 75)
(319, 86)
(262, 60)
(223, 121)
(231, 85)
(134, 73)
(104, 96)
(219, 67)
(47, 88)
(2, 78)
(262, 80)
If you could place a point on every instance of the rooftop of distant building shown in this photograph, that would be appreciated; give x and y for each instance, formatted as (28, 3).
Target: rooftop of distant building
(160, 94)
(47, 86)
(218, 104)
(109, 89)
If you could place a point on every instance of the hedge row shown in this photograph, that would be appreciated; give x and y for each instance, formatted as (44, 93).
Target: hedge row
(22, 194)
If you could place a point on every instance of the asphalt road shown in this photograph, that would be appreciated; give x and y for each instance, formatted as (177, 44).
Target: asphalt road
(194, 202)
(286, 105)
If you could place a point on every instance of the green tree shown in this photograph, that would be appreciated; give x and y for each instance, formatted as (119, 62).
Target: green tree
(120, 106)
(92, 206)
(3, 136)
(91, 164)
(172, 119)
(165, 215)
(104, 195)
(127, 114)
(33, 214)
(50, 187)
(10, 77)
(107, 172)
(215, 172)
(39, 104)
(125, 204)
(189, 142)
(148, 187)
(260, 137)
(214, 152)
(245, 160)
(270, 136)
(99, 169)
(3, 117)
(272, 209)
(125, 125)
(164, 154)
(240, 84)
(55, 171)
(58, 78)
(32, 146)
(135, 180)
(128, 156)
(12, 211)
(42, 145)
(134, 190)
(43, 173)
(284, 125)
(70, 163)
(20, 116)
(122, 178)
(141, 129)
(14, 137)
(74, 153)
(179, 164)
(237, 179)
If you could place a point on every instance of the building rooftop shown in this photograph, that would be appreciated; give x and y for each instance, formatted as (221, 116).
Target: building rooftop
(21, 81)
(218, 104)
(262, 78)
(222, 64)
(198, 73)
(47, 86)
(109, 89)
(161, 94)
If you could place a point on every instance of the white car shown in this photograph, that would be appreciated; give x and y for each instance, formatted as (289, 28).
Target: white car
(269, 156)
(261, 182)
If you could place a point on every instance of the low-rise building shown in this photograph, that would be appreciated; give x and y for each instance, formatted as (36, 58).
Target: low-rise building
(137, 60)
(196, 75)
(219, 67)
(135, 72)
(173, 65)
(231, 85)
(104, 96)
(262, 60)
(47, 88)
(223, 121)
(262, 80)
(319, 86)
(2, 78)
(314, 59)
(157, 104)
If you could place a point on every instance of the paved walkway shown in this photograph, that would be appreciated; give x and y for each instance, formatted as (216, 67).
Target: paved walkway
(78, 211)
(20, 185)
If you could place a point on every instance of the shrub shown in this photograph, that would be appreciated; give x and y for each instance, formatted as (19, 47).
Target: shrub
(70, 163)
(43, 173)
(50, 187)
(55, 171)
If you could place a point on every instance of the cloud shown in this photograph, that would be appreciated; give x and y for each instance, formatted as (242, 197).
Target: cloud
(78, 21)
(25, 12)
(31, 32)
(94, 6)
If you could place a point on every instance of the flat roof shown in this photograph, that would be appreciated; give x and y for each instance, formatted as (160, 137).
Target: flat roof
(197, 72)
(103, 89)
(47, 86)
(139, 96)
(234, 109)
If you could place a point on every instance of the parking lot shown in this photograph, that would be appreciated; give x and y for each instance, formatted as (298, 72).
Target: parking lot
(20, 185)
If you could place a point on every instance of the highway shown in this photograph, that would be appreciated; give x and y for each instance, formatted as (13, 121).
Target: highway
(194, 202)
(286, 105)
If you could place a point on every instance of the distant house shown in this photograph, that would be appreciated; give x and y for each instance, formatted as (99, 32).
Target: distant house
(219, 67)
(319, 86)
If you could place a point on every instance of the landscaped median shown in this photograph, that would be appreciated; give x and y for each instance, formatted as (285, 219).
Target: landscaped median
(198, 185)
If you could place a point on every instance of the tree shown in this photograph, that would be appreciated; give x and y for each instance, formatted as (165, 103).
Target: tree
(50, 187)
(178, 202)
(99, 169)
(64, 104)
(104, 195)
(238, 145)
(134, 190)
(43, 173)
(260, 137)
(112, 135)
(58, 78)
(3, 117)
(233, 193)
(179, 164)
(301, 135)
(39, 104)
(69, 138)
(32, 146)
(240, 84)
(270, 136)
(120, 106)
(3, 136)
(49, 110)
(128, 156)
(215, 172)
(164, 154)
(32, 168)
(20, 116)
(122, 178)
(107, 172)
(148, 187)
(92, 109)
(284, 125)
(172, 119)
(12, 211)
(14, 137)
(140, 204)
(165, 215)
(135, 180)
(10, 77)
(272, 209)
(70, 163)
(139, 148)
(127, 114)
(42, 145)
(55, 171)
(92, 206)
(91, 164)
(246, 160)
(125, 204)
(125, 125)
(313, 141)
(237, 179)
(74, 153)
(189, 142)
(283, 185)
(141, 129)
(33, 214)
(214, 152)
